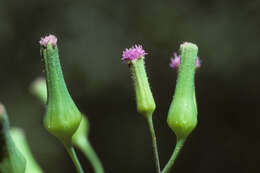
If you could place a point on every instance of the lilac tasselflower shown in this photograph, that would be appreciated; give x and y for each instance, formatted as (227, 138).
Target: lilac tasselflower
(134, 56)
(133, 53)
(52, 39)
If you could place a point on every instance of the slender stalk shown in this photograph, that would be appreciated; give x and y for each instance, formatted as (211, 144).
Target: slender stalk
(178, 147)
(155, 150)
(74, 157)
(90, 153)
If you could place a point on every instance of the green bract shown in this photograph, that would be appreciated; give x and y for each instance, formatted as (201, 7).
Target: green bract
(62, 117)
(182, 115)
(11, 159)
(144, 97)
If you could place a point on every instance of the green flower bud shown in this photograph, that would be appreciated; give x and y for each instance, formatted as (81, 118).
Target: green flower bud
(80, 137)
(182, 115)
(134, 56)
(62, 117)
(39, 89)
(11, 159)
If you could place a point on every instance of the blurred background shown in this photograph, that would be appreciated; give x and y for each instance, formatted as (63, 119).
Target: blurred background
(91, 37)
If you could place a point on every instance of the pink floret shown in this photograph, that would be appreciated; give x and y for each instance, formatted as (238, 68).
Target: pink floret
(198, 62)
(176, 60)
(133, 53)
(52, 39)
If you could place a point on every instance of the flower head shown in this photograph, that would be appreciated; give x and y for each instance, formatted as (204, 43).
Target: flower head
(176, 60)
(133, 53)
(62, 117)
(182, 115)
(52, 39)
(134, 56)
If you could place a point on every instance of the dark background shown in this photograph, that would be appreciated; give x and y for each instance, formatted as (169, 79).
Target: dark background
(91, 37)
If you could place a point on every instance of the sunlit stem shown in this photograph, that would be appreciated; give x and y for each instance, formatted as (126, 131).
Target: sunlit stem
(85, 146)
(73, 157)
(178, 147)
(155, 149)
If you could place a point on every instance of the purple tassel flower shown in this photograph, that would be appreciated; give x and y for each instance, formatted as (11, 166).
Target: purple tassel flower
(133, 53)
(52, 39)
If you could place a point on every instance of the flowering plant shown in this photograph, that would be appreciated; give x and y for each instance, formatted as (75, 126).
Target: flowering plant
(64, 120)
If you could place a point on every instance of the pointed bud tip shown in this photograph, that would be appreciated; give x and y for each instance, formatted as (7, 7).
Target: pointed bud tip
(133, 53)
(50, 39)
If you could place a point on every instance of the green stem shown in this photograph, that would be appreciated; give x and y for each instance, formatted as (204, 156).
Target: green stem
(178, 147)
(155, 150)
(90, 153)
(74, 157)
